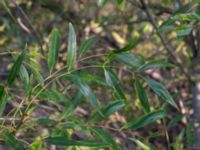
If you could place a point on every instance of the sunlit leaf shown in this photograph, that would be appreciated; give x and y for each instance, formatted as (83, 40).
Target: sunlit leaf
(15, 69)
(161, 91)
(12, 141)
(145, 120)
(53, 48)
(140, 144)
(142, 96)
(127, 47)
(36, 145)
(86, 45)
(71, 48)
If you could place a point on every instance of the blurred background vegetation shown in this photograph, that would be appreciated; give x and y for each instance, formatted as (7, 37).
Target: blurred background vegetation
(158, 32)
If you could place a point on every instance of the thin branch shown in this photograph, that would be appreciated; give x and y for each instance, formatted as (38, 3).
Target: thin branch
(165, 43)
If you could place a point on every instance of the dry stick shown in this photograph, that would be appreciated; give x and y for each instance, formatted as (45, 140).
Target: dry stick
(165, 43)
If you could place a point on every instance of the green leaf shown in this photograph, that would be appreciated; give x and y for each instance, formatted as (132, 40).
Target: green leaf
(106, 138)
(174, 121)
(142, 96)
(165, 2)
(52, 95)
(55, 42)
(140, 144)
(190, 134)
(89, 77)
(37, 75)
(119, 1)
(86, 45)
(5, 4)
(183, 9)
(3, 97)
(2, 91)
(46, 122)
(101, 3)
(184, 29)
(154, 64)
(12, 141)
(108, 110)
(23, 73)
(127, 47)
(167, 25)
(161, 91)
(71, 48)
(113, 81)
(145, 120)
(36, 145)
(178, 144)
(86, 91)
(132, 60)
(15, 69)
(63, 141)
(187, 17)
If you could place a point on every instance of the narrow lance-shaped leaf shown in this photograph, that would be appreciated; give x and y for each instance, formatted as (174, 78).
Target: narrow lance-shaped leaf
(112, 81)
(142, 96)
(2, 91)
(86, 45)
(132, 60)
(161, 91)
(24, 75)
(12, 141)
(189, 133)
(62, 141)
(140, 144)
(145, 120)
(127, 47)
(86, 91)
(106, 138)
(54, 48)
(71, 48)
(155, 64)
(2, 99)
(15, 68)
(108, 110)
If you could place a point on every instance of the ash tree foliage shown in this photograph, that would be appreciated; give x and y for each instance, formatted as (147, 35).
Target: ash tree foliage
(80, 90)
